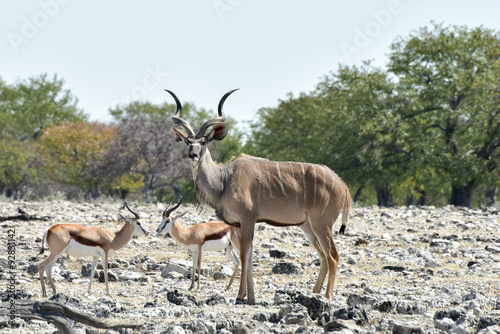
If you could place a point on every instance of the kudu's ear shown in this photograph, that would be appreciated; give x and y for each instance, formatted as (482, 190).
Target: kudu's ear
(180, 135)
(219, 132)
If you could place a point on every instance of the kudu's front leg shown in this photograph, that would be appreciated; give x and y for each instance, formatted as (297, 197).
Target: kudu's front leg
(246, 249)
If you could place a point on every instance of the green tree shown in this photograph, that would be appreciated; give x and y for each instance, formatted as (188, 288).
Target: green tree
(451, 78)
(73, 153)
(29, 106)
(140, 110)
(16, 166)
(351, 123)
(146, 145)
(287, 132)
(366, 131)
(430, 122)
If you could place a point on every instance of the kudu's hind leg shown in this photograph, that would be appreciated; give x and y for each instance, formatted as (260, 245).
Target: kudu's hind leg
(323, 269)
(323, 231)
(250, 288)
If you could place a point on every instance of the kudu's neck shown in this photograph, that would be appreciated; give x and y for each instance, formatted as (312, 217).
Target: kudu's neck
(209, 179)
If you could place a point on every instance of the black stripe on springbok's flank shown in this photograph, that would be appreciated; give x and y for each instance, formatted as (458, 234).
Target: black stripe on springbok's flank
(83, 241)
(219, 235)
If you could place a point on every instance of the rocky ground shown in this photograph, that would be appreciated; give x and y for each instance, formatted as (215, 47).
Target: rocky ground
(402, 270)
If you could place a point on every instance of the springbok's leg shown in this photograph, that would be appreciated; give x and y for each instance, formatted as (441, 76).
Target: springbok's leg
(49, 276)
(42, 280)
(198, 263)
(323, 269)
(94, 265)
(195, 260)
(236, 263)
(246, 238)
(106, 272)
(46, 265)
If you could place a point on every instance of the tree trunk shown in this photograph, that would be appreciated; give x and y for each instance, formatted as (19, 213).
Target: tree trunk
(410, 199)
(422, 200)
(124, 193)
(357, 196)
(94, 190)
(148, 187)
(491, 195)
(55, 313)
(177, 191)
(462, 195)
(23, 215)
(384, 196)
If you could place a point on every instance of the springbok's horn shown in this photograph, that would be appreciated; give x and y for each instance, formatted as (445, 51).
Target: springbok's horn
(134, 213)
(169, 210)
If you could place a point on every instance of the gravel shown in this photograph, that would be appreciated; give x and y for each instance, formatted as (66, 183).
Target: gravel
(402, 270)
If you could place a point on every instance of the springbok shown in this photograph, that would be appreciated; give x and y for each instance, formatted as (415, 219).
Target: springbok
(83, 241)
(212, 236)
(250, 190)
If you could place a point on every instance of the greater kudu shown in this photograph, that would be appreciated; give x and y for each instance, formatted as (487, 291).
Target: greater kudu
(251, 190)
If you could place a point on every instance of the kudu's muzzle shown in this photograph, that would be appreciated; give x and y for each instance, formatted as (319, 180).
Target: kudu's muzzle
(194, 152)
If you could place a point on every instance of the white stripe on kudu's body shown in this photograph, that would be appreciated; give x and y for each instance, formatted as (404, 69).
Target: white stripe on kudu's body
(303, 180)
(281, 180)
(242, 196)
(294, 183)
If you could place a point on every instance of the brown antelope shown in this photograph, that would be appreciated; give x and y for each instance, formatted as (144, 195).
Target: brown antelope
(212, 236)
(83, 241)
(251, 190)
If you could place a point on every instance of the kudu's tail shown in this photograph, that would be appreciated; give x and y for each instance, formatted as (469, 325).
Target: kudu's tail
(345, 212)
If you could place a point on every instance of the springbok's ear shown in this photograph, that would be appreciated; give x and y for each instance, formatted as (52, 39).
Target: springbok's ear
(219, 132)
(179, 216)
(122, 217)
(180, 135)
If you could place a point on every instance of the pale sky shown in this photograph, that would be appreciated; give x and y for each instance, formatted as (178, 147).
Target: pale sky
(111, 52)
